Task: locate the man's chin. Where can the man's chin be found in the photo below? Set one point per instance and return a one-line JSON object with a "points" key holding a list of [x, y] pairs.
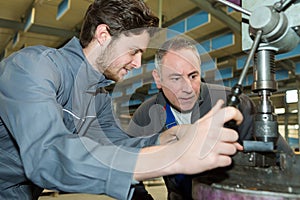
{"points": [[186, 110], [114, 78], [119, 79], [183, 109]]}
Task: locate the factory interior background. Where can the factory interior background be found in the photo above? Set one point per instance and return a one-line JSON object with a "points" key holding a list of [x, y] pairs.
{"points": [[217, 28]]}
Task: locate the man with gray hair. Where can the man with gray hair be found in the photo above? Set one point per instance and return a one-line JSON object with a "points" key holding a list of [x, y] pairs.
{"points": [[183, 99]]}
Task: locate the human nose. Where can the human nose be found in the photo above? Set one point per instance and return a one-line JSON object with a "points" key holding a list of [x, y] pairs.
{"points": [[137, 60], [187, 86]]}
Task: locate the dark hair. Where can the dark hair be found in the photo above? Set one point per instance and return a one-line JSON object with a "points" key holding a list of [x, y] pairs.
{"points": [[119, 16]]}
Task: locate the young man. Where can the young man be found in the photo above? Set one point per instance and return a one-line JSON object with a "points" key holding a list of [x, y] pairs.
{"points": [[183, 99], [57, 129]]}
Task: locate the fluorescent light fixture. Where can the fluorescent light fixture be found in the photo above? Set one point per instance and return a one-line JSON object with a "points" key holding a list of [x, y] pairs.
{"points": [[294, 111], [291, 96], [62, 8], [279, 110], [29, 20]]}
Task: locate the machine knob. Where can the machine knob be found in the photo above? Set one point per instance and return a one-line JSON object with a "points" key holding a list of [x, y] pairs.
{"points": [[272, 23]]}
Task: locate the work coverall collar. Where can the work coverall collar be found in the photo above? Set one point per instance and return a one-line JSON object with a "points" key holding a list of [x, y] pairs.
{"points": [[90, 79]]}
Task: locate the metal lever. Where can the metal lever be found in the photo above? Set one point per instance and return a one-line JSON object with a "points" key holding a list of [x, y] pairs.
{"points": [[237, 89], [235, 7], [282, 5]]}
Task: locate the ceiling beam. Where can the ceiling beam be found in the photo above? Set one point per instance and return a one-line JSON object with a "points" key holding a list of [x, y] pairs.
{"points": [[180, 17], [234, 25], [19, 26]]}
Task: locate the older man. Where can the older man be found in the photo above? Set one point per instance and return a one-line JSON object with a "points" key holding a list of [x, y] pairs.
{"points": [[183, 99]]}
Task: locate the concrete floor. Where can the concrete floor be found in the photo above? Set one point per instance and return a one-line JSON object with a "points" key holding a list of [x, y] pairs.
{"points": [[158, 192]]}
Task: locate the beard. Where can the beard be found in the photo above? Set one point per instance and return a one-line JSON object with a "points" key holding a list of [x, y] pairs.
{"points": [[104, 63], [112, 74]]}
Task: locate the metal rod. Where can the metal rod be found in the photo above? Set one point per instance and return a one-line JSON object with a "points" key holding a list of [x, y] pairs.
{"points": [[160, 16], [235, 7], [282, 5], [251, 54], [298, 104]]}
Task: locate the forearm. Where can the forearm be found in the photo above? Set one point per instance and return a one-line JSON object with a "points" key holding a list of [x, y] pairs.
{"points": [[155, 161]]}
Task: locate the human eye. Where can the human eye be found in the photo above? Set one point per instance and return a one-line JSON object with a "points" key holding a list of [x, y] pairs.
{"points": [[194, 76], [175, 78], [134, 51]]}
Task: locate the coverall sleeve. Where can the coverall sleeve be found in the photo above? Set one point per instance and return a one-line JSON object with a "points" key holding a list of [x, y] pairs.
{"points": [[148, 120], [51, 155], [112, 132]]}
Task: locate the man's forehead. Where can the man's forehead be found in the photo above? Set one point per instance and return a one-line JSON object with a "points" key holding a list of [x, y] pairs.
{"points": [[175, 59], [138, 41], [177, 69], [183, 54]]}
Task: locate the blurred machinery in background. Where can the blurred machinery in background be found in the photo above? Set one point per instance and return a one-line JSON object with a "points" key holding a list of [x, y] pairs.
{"points": [[262, 171]]}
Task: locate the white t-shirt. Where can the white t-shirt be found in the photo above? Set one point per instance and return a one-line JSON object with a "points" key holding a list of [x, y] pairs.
{"points": [[181, 118]]}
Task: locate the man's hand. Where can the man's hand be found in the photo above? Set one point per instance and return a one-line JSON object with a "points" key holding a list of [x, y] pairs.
{"points": [[207, 144], [171, 135], [204, 145], [176, 132]]}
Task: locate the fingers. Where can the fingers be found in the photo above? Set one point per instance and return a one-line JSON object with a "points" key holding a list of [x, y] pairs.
{"points": [[224, 161], [226, 144], [232, 113], [220, 144], [216, 107], [228, 149], [223, 115], [231, 136], [213, 111], [228, 135], [238, 146], [223, 152]]}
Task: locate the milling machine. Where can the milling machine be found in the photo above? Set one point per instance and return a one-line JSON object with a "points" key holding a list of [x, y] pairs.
{"points": [[261, 171]]}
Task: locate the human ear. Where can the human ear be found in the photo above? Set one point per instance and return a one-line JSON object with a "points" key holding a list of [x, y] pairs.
{"points": [[101, 34], [157, 78]]}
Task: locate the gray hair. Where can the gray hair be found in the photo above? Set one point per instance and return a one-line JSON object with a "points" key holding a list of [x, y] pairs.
{"points": [[175, 44]]}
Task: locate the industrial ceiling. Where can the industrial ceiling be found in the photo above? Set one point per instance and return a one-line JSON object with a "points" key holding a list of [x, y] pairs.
{"points": [[49, 30]]}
